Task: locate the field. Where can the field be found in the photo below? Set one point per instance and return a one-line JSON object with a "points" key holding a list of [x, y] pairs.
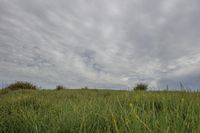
{"points": [[98, 111]]}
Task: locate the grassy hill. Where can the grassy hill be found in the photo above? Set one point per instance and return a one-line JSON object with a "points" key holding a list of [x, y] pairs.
{"points": [[98, 111]]}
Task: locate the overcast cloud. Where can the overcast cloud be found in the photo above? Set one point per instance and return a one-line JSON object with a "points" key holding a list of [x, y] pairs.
{"points": [[100, 43]]}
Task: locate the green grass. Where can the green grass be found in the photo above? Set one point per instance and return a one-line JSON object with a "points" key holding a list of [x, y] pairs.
{"points": [[95, 111]]}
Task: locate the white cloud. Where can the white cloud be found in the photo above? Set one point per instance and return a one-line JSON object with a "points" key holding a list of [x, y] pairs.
{"points": [[112, 44]]}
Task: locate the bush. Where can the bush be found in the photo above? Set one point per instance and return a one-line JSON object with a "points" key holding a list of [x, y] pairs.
{"points": [[21, 85], [141, 87], [60, 87], [85, 88]]}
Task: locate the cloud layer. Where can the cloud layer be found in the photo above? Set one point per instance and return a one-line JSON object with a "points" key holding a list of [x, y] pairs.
{"points": [[100, 43]]}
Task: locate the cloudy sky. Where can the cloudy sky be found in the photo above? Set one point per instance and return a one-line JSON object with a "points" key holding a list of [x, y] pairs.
{"points": [[100, 43]]}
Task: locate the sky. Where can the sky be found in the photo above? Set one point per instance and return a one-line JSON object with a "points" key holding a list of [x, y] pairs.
{"points": [[112, 44]]}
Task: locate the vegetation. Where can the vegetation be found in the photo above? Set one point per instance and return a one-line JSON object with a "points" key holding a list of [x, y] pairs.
{"points": [[98, 111], [141, 87], [60, 87], [20, 85], [85, 88]]}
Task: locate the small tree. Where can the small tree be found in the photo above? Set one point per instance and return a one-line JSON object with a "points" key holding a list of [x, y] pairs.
{"points": [[21, 85], [141, 87]]}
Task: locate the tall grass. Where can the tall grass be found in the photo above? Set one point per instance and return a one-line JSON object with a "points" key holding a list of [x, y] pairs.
{"points": [[95, 111]]}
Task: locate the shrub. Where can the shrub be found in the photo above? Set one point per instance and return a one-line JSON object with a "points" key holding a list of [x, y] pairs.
{"points": [[21, 85], [85, 88], [60, 87], [140, 87]]}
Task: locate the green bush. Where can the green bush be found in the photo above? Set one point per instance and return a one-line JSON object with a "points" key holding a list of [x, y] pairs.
{"points": [[141, 87], [85, 88], [21, 85], [60, 87]]}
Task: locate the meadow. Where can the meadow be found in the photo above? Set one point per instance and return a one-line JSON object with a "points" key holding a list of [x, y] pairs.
{"points": [[98, 111]]}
